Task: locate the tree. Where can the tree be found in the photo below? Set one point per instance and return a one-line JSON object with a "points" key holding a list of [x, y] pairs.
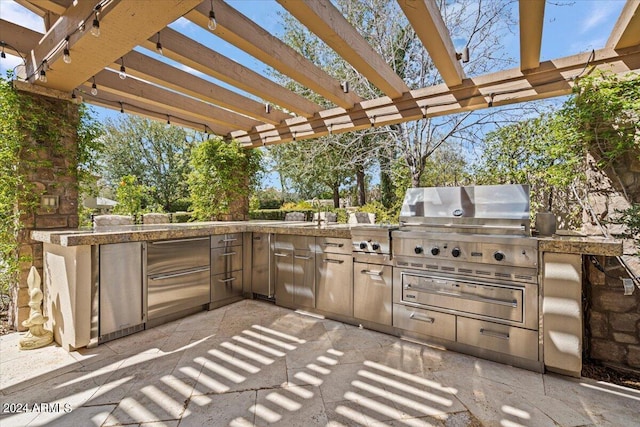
{"points": [[222, 177], [156, 154]]}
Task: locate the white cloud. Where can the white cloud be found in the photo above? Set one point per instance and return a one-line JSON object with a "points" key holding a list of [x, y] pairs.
{"points": [[598, 13], [13, 12]]}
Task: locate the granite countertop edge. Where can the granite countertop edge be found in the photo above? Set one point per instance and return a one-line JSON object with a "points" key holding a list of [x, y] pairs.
{"points": [[570, 243]]}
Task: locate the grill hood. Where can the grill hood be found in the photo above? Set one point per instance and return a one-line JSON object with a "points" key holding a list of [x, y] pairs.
{"points": [[486, 209]]}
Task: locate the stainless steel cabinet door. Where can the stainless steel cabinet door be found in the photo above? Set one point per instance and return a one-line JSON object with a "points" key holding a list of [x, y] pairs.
{"points": [[372, 292], [284, 276], [334, 280], [304, 267], [225, 260]]}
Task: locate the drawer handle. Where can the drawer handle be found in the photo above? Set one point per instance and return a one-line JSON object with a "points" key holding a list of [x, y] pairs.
{"points": [[226, 280], [167, 242], [372, 273], [280, 255], [494, 334], [333, 261], [301, 257], [257, 238], [182, 273], [333, 245], [422, 318], [227, 240], [228, 254]]}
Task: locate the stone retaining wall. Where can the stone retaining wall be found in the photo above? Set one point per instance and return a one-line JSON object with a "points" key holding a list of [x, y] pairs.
{"points": [[612, 319]]}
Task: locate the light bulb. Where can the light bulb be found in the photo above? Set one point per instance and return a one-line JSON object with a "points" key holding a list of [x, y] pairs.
{"points": [[212, 21], [95, 29], [159, 48], [67, 56], [43, 76], [123, 73], [94, 89]]}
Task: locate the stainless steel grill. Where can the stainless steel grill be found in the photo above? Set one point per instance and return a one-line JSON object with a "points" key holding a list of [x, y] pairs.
{"points": [[466, 268]]}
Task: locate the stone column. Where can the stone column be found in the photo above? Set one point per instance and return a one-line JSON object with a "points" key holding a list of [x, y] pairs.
{"points": [[54, 174]]}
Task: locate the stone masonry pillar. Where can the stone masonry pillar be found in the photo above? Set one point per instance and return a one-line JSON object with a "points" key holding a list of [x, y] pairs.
{"points": [[51, 166]]}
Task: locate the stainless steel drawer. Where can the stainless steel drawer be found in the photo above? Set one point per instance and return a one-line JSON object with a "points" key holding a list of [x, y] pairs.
{"points": [[372, 292], [224, 240], [224, 260], [334, 283], [180, 254], [334, 245], [226, 285], [425, 322], [501, 338], [172, 292]]}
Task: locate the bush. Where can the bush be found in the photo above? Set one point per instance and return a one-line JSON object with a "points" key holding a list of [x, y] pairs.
{"points": [[278, 214]]}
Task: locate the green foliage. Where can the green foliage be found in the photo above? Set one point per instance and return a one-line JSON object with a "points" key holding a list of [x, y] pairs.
{"points": [[130, 196], [605, 114], [223, 175], [158, 155], [631, 219], [278, 214], [382, 213], [269, 198]]}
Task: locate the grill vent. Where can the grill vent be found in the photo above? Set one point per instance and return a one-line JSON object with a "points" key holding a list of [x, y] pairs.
{"points": [[121, 333], [402, 263], [483, 273], [431, 266], [507, 275], [523, 277], [448, 269], [465, 270], [413, 264]]}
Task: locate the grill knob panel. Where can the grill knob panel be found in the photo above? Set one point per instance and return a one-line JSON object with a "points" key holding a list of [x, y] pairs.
{"points": [[418, 250], [455, 252], [363, 245], [435, 250], [375, 246], [498, 256]]}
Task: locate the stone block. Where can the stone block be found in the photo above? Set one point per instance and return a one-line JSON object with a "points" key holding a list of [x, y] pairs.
{"points": [[626, 322], [623, 338], [596, 277], [633, 357], [608, 351], [611, 300], [73, 221], [51, 222], [598, 324], [23, 297], [23, 314]]}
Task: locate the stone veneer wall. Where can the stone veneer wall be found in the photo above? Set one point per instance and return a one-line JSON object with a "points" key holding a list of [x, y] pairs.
{"points": [[612, 319], [57, 176]]}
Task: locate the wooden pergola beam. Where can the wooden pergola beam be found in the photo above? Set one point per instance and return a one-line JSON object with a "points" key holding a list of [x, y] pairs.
{"points": [[323, 19], [626, 31], [20, 38], [427, 22], [136, 89], [243, 33], [199, 57], [149, 110], [531, 21], [552, 78], [162, 74], [124, 24]]}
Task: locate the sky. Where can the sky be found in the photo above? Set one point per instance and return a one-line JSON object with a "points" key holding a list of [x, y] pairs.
{"points": [[570, 27]]}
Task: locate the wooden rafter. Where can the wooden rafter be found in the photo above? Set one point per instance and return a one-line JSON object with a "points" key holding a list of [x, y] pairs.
{"points": [[531, 20], [125, 24], [243, 33], [322, 18], [18, 37], [199, 57], [110, 82], [626, 31], [152, 70], [426, 20]]}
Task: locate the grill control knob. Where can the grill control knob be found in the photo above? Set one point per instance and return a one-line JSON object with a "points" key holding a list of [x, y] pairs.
{"points": [[418, 249], [363, 245], [375, 246], [455, 252], [435, 250], [498, 256]]}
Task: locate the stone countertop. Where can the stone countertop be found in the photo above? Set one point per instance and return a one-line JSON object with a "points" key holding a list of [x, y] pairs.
{"points": [[138, 233], [573, 243]]}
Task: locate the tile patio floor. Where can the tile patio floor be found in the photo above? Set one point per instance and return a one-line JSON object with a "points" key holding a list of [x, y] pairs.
{"points": [[252, 363]]}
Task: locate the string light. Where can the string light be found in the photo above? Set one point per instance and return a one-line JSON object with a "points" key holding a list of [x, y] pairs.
{"points": [[123, 71], [159, 45], [168, 119], [2, 54], [94, 87], [212, 24], [66, 54], [95, 29], [267, 108], [43, 72], [490, 104], [121, 107], [73, 94]]}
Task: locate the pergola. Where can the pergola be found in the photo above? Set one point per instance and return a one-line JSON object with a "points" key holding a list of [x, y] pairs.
{"points": [[162, 91]]}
